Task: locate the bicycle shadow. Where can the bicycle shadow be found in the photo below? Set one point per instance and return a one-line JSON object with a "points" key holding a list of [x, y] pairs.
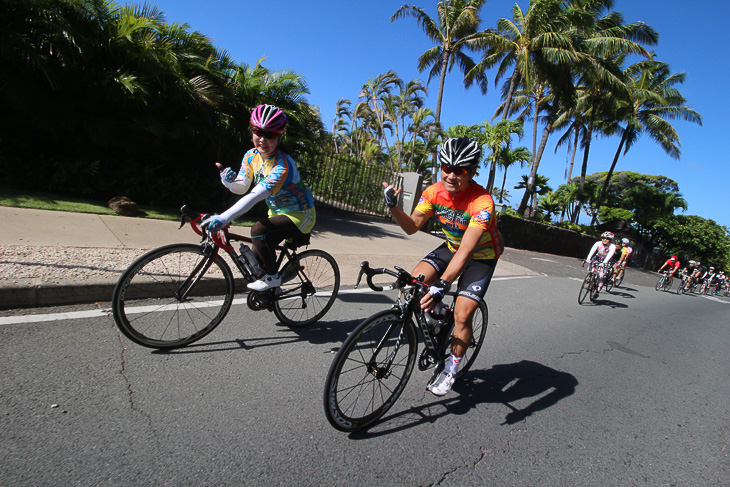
{"points": [[620, 293], [319, 333], [607, 302], [502, 384]]}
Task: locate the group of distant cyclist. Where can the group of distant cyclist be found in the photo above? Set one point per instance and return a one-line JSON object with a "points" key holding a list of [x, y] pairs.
{"points": [[614, 254], [695, 277]]}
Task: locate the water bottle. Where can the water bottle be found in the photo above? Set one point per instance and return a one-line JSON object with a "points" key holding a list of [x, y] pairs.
{"points": [[437, 317], [250, 259]]}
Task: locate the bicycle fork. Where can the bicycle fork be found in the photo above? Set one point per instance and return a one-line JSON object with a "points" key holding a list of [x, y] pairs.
{"points": [[200, 269]]}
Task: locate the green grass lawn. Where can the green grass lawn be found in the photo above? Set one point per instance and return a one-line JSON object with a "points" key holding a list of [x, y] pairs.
{"points": [[55, 202]]}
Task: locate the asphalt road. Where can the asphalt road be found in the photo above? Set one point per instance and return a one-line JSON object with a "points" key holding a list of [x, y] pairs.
{"points": [[631, 390]]}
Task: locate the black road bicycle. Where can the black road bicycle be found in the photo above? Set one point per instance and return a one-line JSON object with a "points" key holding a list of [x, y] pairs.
{"points": [[373, 365], [589, 287], [175, 295]]}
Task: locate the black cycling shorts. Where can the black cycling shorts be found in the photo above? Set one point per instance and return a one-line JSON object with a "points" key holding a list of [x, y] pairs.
{"points": [[475, 279]]}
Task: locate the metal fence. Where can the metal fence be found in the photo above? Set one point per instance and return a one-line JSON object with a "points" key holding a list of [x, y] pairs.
{"points": [[345, 183]]}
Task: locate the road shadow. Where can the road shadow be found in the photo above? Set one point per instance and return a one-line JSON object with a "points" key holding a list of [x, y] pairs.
{"points": [[319, 333], [620, 294], [349, 225], [502, 384]]}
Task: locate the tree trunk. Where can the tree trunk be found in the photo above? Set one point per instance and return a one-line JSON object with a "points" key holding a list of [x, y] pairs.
{"points": [[602, 194], [535, 163], [439, 99]]}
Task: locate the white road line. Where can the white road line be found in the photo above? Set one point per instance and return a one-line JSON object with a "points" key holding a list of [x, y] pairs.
{"points": [[96, 313]]}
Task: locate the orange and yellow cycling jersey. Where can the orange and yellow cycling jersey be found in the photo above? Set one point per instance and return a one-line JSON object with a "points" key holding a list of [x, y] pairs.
{"points": [[472, 207]]}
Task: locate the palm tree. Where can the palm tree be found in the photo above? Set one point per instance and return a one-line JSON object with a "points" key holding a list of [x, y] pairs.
{"points": [[652, 99], [402, 107], [540, 186], [498, 137], [507, 158], [529, 44], [375, 92], [455, 31], [339, 125], [604, 44], [425, 130]]}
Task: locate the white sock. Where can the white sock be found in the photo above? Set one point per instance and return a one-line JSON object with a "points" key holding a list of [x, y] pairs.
{"points": [[453, 364]]}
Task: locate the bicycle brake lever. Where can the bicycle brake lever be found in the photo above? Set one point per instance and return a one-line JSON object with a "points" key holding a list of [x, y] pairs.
{"points": [[363, 265]]}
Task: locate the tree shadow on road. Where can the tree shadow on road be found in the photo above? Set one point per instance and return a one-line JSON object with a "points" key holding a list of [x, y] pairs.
{"points": [[502, 384]]}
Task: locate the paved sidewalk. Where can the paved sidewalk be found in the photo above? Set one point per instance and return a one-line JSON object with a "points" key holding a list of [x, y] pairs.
{"points": [[91, 251]]}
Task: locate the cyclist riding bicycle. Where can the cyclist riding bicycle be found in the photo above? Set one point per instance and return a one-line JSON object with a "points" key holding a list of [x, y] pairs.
{"points": [[275, 179], [473, 244], [673, 264], [696, 273], [602, 252], [620, 266], [687, 274]]}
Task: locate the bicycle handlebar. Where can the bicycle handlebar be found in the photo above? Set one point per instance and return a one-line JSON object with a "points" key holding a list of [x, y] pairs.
{"points": [[220, 238], [403, 278]]}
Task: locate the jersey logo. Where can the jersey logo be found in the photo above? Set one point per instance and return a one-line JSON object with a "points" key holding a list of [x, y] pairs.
{"points": [[482, 217]]}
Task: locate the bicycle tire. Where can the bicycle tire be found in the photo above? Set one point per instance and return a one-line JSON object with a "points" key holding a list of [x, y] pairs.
{"points": [[617, 282], [667, 284], [585, 289], [146, 309], [659, 283], [680, 288], [609, 284], [354, 394], [479, 324], [309, 300]]}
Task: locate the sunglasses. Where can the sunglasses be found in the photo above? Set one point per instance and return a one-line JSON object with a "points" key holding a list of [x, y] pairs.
{"points": [[266, 134], [457, 171]]}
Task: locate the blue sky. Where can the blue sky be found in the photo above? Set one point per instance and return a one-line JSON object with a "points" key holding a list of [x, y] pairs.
{"points": [[338, 45]]}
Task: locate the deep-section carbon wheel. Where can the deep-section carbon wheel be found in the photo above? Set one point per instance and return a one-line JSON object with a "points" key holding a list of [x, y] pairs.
{"points": [[309, 287], [370, 371], [172, 296]]}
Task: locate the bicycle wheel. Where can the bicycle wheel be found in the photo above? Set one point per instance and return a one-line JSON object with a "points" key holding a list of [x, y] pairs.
{"points": [[659, 283], [585, 289], [609, 284], [309, 288], [479, 330], [172, 296], [680, 288], [667, 284], [370, 371], [617, 282]]}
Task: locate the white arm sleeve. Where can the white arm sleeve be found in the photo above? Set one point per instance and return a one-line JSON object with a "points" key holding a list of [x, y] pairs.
{"points": [[241, 182], [593, 251], [259, 193]]}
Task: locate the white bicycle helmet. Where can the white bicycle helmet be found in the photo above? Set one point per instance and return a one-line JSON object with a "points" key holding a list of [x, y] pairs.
{"points": [[461, 152], [607, 235]]}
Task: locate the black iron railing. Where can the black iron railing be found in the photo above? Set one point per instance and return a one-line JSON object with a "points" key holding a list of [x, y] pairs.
{"points": [[345, 183]]}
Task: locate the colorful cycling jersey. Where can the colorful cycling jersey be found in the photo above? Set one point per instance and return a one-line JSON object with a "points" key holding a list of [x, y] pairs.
{"points": [[671, 265], [279, 176], [473, 207], [627, 252], [599, 251]]}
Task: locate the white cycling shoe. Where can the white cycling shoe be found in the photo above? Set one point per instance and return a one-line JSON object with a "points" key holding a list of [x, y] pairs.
{"points": [[266, 282], [443, 384]]}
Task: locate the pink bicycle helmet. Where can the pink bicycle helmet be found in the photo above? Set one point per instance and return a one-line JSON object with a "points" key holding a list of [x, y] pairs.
{"points": [[607, 235], [268, 117]]}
